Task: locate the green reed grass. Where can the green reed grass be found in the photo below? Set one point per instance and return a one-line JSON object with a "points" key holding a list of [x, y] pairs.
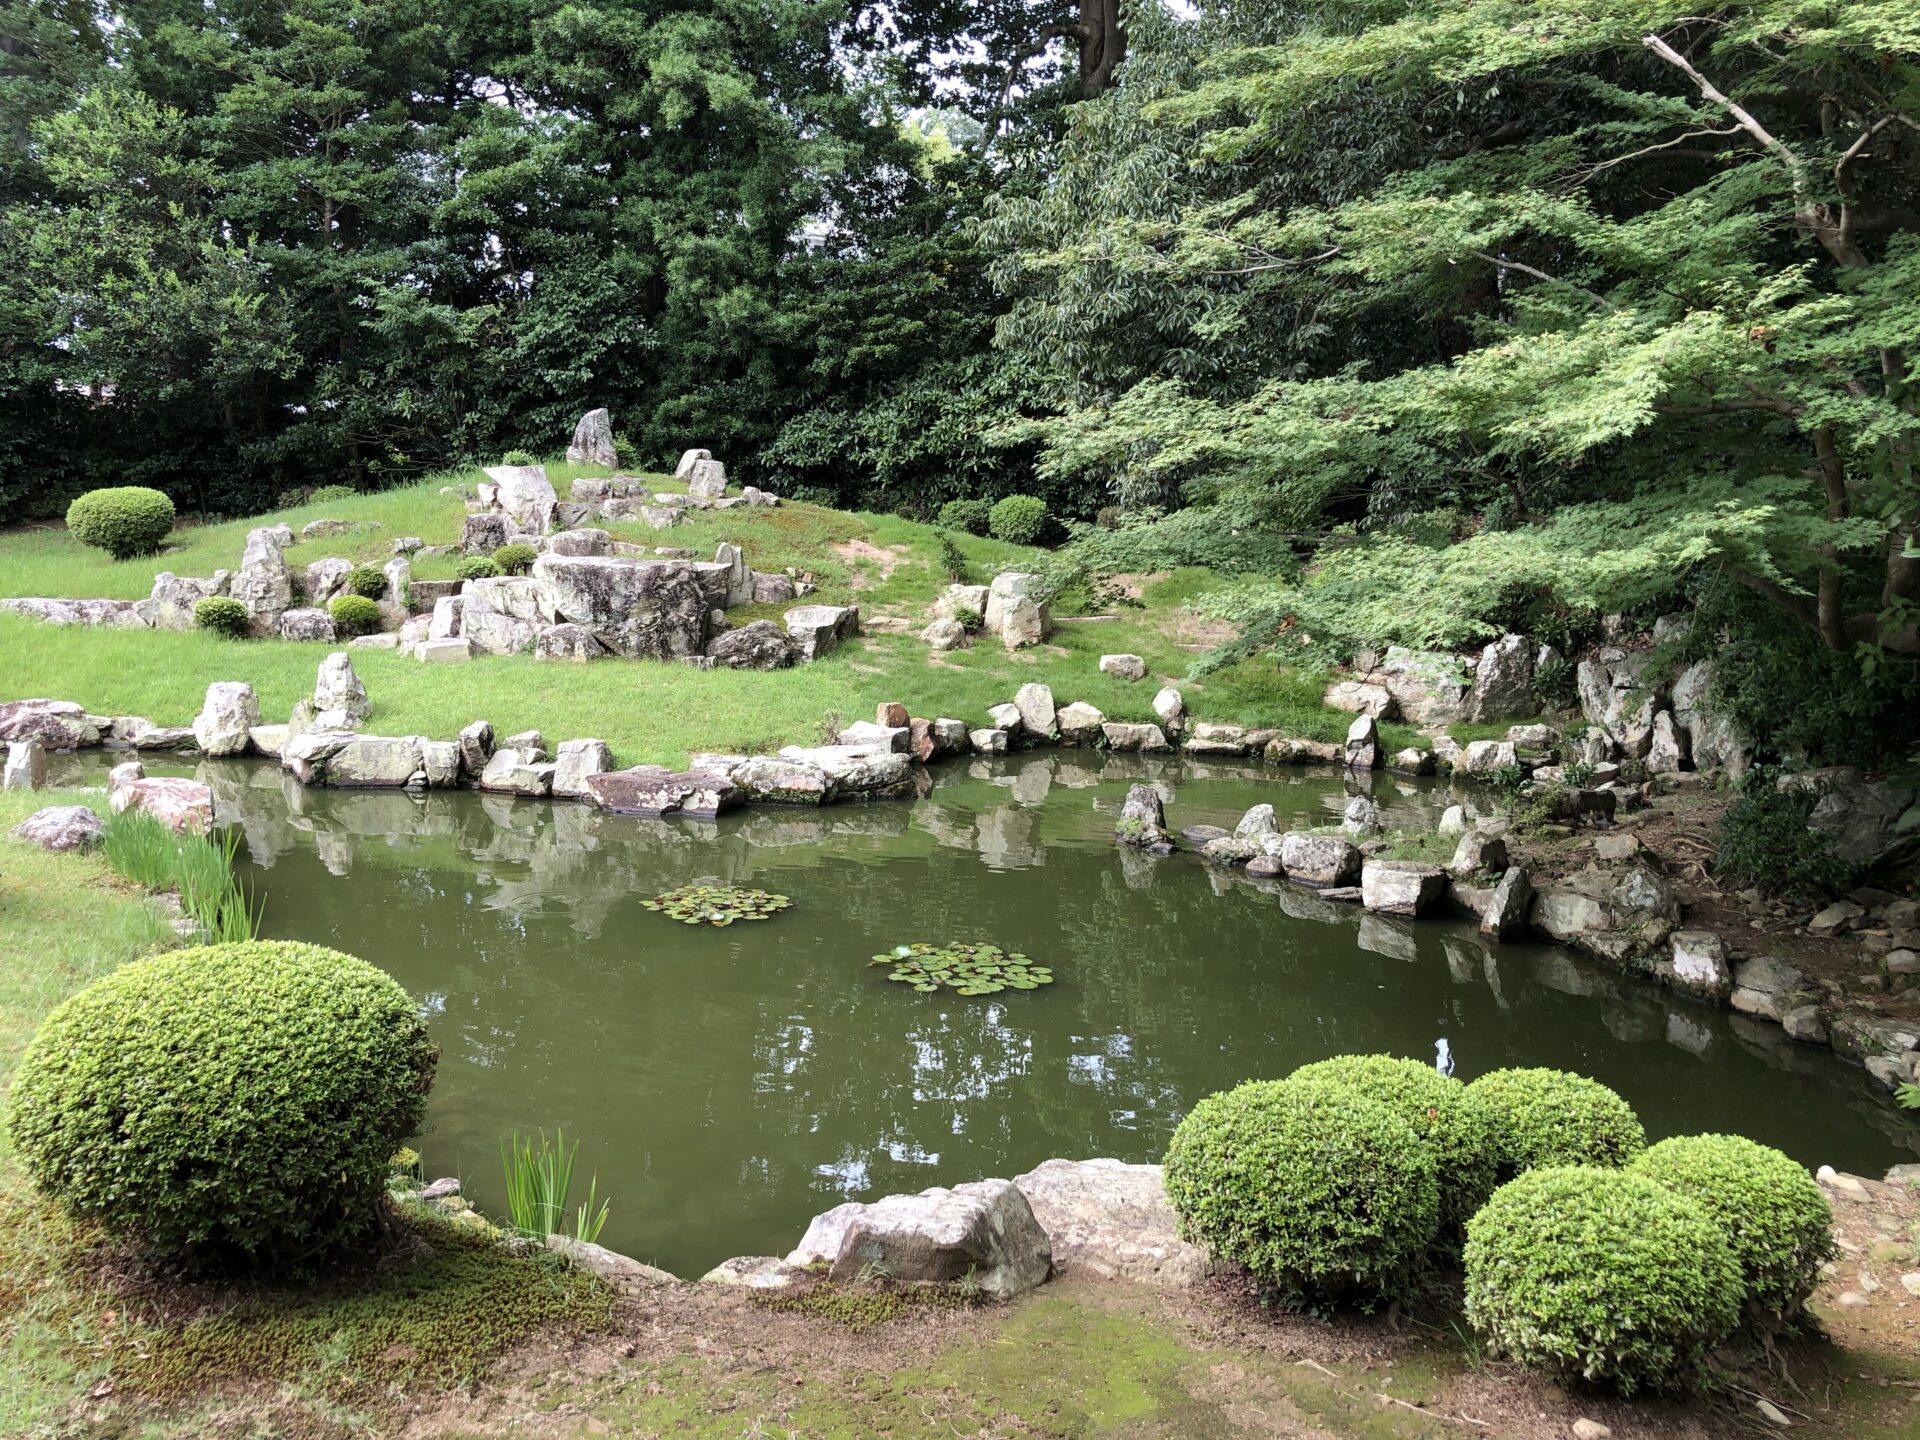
{"points": [[539, 1174], [147, 852]]}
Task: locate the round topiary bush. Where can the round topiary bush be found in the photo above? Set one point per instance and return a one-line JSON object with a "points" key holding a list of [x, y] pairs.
{"points": [[233, 1103], [1446, 1118], [1554, 1117], [1774, 1217], [1600, 1275], [367, 580], [327, 493], [968, 515], [514, 558], [476, 567], [353, 615], [1018, 519], [221, 615], [1317, 1189], [517, 457], [123, 520]]}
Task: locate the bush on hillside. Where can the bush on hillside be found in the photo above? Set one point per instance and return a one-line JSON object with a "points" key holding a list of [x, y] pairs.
{"points": [[123, 520], [518, 457], [1018, 519], [968, 515], [1763, 841], [514, 558], [223, 616], [476, 567], [1318, 1190], [1449, 1121], [1605, 1276], [367, 580], [230, 1103], [353, 615], [327, 493], [1554, 1117], [1773, 1215]]}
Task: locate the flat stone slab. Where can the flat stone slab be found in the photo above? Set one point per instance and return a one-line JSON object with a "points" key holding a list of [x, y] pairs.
{"points": [[1108, 1220], [984, 1231], [656, 790]]}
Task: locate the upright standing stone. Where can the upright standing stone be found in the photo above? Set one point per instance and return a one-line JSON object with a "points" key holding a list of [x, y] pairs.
{"points": [[264, 584], [593, 440], [1363, 743], [707, 479], [523, 494], [228, 715], [739, 574], [26, 766], [689, 459], [339, 697]]}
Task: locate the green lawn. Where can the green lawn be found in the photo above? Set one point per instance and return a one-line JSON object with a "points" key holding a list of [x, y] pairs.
{"points": [[647, 712]]}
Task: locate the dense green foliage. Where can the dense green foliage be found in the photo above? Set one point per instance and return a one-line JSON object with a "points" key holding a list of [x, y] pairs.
{"points": [[1605, 1276], [1319, 1190], [1018, 519], [514, 559], [237, 1103], [970, 515], [124, 520], [1447, 1118], [1763, 841], [223, 615], [476, 567], [1554, 1117], [1773, 1215], [367, 580], [327, 493], [353, 615]]}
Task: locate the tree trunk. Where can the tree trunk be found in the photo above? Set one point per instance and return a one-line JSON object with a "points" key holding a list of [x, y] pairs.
{"points": [[1103, 45]]}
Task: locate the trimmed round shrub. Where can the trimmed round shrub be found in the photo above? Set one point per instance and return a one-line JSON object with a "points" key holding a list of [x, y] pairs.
{"points": [[1318, 1190], [1446, 1118], [328, 493], [123, 520], [514, 558], [968, 515], [353, 615], [1600, 1275], [517, 457], [476, 567], [222, 615], [1554, 1117], [367, 580], [1018, 519], [1774, 1217], [232, 1103]]}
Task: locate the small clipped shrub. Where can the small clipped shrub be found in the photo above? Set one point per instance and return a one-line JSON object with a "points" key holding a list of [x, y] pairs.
{"points": [[231, 1103], [1448, 1120], [968, 515], [367, 580], [518, 457], [1605, 1276], [1764, 842], [514, 558], [1018, 519], [353, 615], [476, 567], [1773, 1215], [1109, 517], [328, 493], [1554, 1117], [971, 620], [123, 520], [222, 615], [1321, 1192]]}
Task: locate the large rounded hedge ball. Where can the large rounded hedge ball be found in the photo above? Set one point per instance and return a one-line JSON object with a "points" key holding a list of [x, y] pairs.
{"points": [[1600, 1275], [1320, 1191], [1773, 1214], [1554, 1117], [123, 520], [231, 1103]]}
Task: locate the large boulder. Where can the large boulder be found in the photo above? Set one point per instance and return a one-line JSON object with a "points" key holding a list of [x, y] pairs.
{"points": [[475, 748], [984, 1232], [688, 459], [958, 600], [183, 806], [339, 698], [522, 493], [1015, 612], [1509, 907], [1126, 735], [857, 771], [1402, 887], [1081, 724], [501, 615], [307, 625], [578, 761], [1143, 821], [264, 584], [170, 604], [1038, 715], [26, 766], [707, 479], [593, 440], [738, 575], [1108, 1220], [325, 580], [229, 712], [62, 827], [1360, 697], [1428, 686], [1713, 739], [1503, 681], [776, 780], [817, 629], [1325, 861], [656, 611], [1613, 696], [111, 614], [1863, 817], [760, 645], [376, 762], [656, 790], [1125, 667], [57, 724], [573, 643], [486, 532], [511, 770]]}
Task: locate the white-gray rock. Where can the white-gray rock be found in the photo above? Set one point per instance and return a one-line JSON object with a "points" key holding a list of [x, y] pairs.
{"points": [[523, 494], [339, 694], [516, 772], [1122, 735], [593, 440], [229, 712], [61, 827], [1038, 715], [264, 584], [1401, 887], [1126, 667], [1015, 612], [307, 625], [26, 767], [1107, 1220], [1081, 724], [1326, 861], [984, 1232], [1503, 681], [817, 629], [575, 762]]}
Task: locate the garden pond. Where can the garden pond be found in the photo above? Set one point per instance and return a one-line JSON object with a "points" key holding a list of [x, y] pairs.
{"points": [[726, 1084]]}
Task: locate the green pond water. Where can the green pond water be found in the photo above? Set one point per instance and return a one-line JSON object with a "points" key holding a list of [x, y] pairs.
{"points": [[727, 1084]]}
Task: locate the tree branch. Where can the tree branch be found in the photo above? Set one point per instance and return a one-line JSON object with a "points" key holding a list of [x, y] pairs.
{"points": [[1600, 300], [1708, 90]]}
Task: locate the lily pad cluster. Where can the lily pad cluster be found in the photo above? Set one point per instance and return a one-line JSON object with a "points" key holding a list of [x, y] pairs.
{"points": [[716, 904], [967, 968]]}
